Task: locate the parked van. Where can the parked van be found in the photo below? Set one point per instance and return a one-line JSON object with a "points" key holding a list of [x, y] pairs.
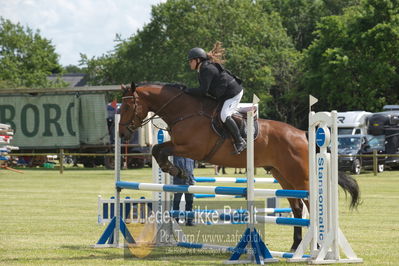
{"points": [[353, 122], [386, 125]]}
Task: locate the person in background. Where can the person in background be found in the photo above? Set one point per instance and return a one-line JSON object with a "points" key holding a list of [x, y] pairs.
{"points": [[187, 165], [218, 168], [239, 171]]}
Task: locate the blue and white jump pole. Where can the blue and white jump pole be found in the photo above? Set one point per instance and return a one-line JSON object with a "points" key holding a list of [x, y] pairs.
{"points": [[233, 180], [239, 217], [232, 249], [238, 191]]}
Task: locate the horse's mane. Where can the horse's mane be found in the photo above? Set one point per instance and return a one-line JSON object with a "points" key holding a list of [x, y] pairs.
{"points": [[179, 86], [208, 103]]}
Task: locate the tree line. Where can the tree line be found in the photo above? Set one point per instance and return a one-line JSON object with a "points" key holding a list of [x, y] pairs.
{"points": [[344, 52]]}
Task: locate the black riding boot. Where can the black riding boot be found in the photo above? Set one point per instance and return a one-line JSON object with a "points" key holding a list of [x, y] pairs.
{"points": [[239, 142]]}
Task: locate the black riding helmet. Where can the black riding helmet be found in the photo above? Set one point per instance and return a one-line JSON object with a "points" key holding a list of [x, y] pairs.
{"points": [[197, 53]]}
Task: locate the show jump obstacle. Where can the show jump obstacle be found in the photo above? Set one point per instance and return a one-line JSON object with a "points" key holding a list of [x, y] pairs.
{"points": [[6, 135], [324, 237]]}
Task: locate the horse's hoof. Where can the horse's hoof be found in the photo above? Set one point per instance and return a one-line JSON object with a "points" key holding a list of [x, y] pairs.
{"points": [[294, 247]]}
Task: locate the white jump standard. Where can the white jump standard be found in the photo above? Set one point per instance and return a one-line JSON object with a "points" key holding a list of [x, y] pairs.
{"points": [[324, 237]]}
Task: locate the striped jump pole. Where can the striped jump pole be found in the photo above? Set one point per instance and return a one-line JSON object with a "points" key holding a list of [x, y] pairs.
{"points": [[257, 210], [282, 220], [238, 217], [278, 254], [206, 196], [237, 180], [281, 193]]}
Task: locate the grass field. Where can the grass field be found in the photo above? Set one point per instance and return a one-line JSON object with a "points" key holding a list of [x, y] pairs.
{"points": [[50, 219]]}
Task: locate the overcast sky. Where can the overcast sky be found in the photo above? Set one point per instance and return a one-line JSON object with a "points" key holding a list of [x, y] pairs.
{"points": [[80, 26]]}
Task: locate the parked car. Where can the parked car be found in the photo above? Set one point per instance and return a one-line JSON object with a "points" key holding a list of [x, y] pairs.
{"points": [[360, 145]]}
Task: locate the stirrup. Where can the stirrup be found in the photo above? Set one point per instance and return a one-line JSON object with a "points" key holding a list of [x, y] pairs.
{"points": [[243, 146]]}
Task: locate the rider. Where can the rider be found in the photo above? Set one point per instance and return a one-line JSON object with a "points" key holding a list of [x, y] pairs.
{"points": [[219, 83]]}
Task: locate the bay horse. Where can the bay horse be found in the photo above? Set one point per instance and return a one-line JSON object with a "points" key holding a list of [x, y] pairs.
{"points": [[279, 147]]}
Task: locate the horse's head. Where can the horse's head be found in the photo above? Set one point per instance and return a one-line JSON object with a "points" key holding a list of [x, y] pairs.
{"points": [[132, 111]]}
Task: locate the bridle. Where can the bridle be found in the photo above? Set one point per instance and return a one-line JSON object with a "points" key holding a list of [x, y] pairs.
{"points": [[135, 122], [131, 126]]}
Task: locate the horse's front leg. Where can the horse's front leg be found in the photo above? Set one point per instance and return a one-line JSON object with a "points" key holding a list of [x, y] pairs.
{"points": [[161, 152]]}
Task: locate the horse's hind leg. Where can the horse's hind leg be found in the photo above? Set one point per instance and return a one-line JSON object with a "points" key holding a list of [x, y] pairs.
{"points": [[296, 207], [161, 152]]}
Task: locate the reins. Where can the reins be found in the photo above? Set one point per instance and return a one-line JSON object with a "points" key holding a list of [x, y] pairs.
{"points": [[131, 127], [145, 121]]}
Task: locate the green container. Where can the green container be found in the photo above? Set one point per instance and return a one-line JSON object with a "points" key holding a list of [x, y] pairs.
{"points": [[48, 165]]}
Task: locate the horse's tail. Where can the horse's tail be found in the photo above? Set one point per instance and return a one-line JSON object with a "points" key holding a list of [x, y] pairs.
{"points": [[349, 184]]}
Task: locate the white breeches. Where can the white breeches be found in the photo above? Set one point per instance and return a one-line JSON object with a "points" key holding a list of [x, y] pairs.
{"points": [[230, 106]]}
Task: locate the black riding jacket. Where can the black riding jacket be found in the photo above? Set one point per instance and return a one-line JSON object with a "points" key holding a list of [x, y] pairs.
{"points": [[215, 81]]}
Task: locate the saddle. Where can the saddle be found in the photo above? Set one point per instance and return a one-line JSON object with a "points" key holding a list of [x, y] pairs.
{"points": [[240, 117]]}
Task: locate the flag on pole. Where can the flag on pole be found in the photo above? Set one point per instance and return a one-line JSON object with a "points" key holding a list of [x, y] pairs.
{"points": [[312, 101], [255, 99]]}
